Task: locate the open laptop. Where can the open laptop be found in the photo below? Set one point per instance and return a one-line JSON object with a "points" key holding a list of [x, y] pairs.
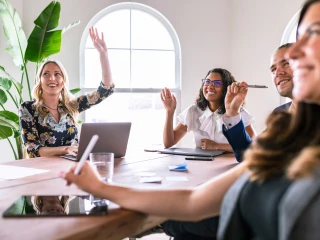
{"points": [[191, 152], [113, 137]]}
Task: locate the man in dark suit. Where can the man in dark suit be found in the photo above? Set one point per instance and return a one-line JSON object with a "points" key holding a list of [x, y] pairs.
{"points": [[233, 127]]}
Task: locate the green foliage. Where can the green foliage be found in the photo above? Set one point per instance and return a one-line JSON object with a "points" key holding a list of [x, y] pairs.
{"points": [[43, 42], [75, 90], [15, 36]]}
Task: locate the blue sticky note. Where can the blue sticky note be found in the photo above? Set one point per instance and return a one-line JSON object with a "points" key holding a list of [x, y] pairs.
{"points": [[181, 167]]}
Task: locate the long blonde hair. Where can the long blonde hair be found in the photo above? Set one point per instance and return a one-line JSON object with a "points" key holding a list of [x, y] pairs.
{"points": [[68, 101]]}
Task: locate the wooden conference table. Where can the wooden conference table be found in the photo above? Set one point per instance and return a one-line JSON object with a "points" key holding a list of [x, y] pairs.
{"points": [[119, 223]]}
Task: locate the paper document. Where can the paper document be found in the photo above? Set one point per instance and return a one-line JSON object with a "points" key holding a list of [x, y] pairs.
{"points": [[13, 172]]}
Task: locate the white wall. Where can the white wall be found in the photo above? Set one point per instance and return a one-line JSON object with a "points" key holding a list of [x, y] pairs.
{"points": [[257, 28], [238, 35]]}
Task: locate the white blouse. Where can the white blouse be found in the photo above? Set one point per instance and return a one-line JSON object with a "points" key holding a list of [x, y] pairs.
{"points": [[207, 124]]}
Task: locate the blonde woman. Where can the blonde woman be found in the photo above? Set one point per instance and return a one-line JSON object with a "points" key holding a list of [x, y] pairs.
{"points": [[48, 123]]}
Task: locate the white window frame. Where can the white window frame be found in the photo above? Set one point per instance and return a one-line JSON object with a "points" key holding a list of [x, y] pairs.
{"points": [[166, 24], [292, 26]]}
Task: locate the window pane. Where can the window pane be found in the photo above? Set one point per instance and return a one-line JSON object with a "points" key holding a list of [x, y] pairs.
{"points": [[116, 29], [153, 69], [292, 37], [119, 63], [144, 110], [149, 33]]}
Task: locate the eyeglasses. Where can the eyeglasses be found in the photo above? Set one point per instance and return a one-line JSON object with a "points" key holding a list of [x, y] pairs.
{"points": [[215, 83]]}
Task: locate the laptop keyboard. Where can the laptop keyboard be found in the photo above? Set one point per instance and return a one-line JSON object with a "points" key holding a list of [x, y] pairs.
{"points": [[69, 157]]}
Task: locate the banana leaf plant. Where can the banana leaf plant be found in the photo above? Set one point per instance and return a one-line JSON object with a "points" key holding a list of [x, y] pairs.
{"points": [[44, 41]]}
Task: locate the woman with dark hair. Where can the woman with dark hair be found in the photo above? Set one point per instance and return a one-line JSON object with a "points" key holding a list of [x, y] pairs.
{"points": [[204, 118]]}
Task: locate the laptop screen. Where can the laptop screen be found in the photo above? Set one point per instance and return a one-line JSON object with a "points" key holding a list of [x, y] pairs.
{"points": [[113, 137]]}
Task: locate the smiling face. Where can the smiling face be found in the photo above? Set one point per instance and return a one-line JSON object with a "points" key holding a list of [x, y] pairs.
{"points": [[282, 73], [211, 93], [51, 205], [52, 81], [305, 57]]}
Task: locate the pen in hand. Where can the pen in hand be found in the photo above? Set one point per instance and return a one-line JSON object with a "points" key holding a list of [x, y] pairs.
{"points": [[86, 153], [84, 156], [257, 86]]}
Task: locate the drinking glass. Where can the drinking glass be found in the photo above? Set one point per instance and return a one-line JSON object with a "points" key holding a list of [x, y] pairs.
{"points": [[104, 163]]}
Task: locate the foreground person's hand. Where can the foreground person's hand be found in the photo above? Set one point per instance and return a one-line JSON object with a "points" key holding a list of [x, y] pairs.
{"points": [[88, 179]]}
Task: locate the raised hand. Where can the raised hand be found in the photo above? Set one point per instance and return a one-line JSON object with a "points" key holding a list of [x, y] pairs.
{"points": [[98, 42], [236, 94], [168, 99]]}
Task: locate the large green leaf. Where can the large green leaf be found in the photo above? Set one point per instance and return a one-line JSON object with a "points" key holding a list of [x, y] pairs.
{"points": [[5, 132], [43, 41], [15, 36], [3, 97], [49, 17], [9, 119], [6, 83]]}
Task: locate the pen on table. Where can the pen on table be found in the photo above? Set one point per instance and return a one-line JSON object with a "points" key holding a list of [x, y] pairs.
{"points": [[257, 86], [86, 153]]}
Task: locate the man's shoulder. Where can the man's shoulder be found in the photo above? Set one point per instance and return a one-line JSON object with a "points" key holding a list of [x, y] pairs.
{"points": [[283, 107]]}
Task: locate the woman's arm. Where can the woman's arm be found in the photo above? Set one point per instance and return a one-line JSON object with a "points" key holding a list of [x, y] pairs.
{"points": [[250, 130], [187, 205], [212, 145], [107, 87], [171, 136], [58, 151], [100, 45], [209, 144]]}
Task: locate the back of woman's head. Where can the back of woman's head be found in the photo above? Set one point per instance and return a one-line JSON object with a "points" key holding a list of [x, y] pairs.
{"points": [[285, 138], [227, 79]]}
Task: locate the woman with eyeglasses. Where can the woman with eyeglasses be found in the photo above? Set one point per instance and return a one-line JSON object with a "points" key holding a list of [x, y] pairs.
{"points": [[204, 117]]}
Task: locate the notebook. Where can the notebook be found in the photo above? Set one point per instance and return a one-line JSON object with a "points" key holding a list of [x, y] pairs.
{"points": [[113, 137], [191, 152]]}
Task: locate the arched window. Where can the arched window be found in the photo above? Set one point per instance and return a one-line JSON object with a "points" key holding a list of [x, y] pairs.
{"points": [[289, 35], [144, 53]]}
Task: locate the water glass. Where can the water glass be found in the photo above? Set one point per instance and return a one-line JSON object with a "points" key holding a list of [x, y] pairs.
{"points": [[104, 163]]}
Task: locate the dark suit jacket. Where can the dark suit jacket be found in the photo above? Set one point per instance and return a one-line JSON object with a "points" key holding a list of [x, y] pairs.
{"points": [[239, 139], [298, 211]]}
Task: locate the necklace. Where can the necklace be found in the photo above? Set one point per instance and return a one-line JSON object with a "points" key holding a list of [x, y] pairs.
{"points": [[50, 107]]}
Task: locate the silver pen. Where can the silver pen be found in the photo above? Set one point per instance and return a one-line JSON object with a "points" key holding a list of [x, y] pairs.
{"points": [[257, 86]]}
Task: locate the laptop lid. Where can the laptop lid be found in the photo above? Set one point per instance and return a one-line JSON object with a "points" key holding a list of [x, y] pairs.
{"points": [[113, 137], [191, 152]]}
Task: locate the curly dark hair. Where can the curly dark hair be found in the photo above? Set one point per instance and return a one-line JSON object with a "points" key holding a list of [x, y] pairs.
{"points": [[227, 79]]}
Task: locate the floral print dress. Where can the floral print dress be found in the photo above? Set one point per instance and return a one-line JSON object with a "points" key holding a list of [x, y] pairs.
{"points": [[37, 132]]}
